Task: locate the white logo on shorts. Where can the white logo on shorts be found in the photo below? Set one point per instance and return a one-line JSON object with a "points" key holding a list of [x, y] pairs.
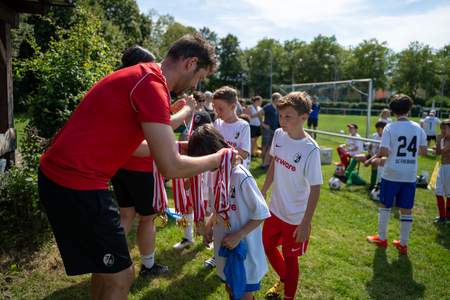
{"points": [[108, 260]]}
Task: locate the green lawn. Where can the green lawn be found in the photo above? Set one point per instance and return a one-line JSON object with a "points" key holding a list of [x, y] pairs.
{"points": [[339, 263]]}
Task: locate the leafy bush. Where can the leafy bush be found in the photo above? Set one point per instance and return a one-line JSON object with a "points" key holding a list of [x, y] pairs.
{"points": [[76, 59], [22, 216], [437, 101]]}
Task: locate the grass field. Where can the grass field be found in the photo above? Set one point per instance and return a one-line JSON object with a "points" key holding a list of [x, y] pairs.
{"points": [[339, 263]]}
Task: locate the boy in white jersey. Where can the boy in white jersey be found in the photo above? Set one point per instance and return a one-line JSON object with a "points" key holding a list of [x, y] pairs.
{"points": [[442, 188], [235, 131], [247, 211], [296, 176], [401, 143], [351, 147], [429, 125]]}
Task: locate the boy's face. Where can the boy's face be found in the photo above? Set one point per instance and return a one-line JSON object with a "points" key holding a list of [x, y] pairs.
{"points": [[380, 131], [223, 109], [290, 119], [445, 130], [352, 130]]}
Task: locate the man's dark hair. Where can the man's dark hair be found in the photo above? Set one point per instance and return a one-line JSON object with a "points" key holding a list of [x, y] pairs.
{"points": [[401, 104], [195, 45], [135, 55], [205, 140], [380, 124]]}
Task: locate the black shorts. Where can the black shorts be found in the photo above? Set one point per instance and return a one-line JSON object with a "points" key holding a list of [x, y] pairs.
{"points": [[255, 131], [134, 188], [368, 156], [87, 228], [431, 137], [313, 122]]}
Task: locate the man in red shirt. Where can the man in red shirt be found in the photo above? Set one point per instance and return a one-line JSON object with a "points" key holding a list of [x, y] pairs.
{"points": [[108, 127]]}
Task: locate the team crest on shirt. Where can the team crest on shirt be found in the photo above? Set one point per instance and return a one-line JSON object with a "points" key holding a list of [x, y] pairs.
{"points": [[197, 118], [236, 135], [297, 157], [108, 260], [232, 191]]}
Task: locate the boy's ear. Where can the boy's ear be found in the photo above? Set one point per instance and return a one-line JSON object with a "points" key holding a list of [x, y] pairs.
{"points": [[305, 117], [233, 106]]}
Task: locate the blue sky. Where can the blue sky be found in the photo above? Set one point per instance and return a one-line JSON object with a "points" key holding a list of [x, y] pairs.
{"points": [[351, 21]]}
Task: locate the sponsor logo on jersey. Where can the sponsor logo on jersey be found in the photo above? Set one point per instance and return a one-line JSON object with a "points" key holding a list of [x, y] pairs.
{"points": [[285, 163], [197, 118], [232, 144], [297, 157], [236, 135], [232, 191], [108, 260], [276, 145]]}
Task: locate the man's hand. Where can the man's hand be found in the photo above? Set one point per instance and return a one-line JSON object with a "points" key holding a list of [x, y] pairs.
{"points": [[178, 105], [265, 126], [190, 101]]}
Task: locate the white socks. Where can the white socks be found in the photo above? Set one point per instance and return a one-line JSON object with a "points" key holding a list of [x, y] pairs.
{"points": [[383, 222], [188, 231], [148, 260], [405, 228], [379, 173]]}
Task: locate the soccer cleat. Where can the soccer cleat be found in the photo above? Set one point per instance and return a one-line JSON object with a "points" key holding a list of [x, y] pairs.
{"points": [[183, 244], [155, 270], [402, 249], [441, 220], [341, 177], [210, 263], [376, 240], [276, 290]]}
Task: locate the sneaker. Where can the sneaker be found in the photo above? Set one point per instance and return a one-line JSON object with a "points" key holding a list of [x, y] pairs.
{"points": [[183, 244], [276, 290], [341, 177], [371, 187], [210, 263], [155, 270], [402, 249], [441, 220], [376, 240]]}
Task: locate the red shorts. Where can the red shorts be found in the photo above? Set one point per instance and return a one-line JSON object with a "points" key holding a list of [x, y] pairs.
{"points": [[279, 233]]}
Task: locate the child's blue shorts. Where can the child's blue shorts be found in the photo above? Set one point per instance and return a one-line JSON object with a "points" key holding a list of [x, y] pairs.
{"points": [[403, 192], [250, 287]]}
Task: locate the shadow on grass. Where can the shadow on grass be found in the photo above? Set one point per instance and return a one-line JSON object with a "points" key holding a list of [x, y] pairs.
{"points": [[75, 291], [393, 280], [442, 237]]}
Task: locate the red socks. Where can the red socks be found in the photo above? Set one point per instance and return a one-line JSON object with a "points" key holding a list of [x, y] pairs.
{"points": [[343, 156], [276, 259], [441, 206], [291, 277]]}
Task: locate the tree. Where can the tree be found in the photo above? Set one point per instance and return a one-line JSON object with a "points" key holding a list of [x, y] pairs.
{"points": [[412, 70], [174, 31], [230, 71]]}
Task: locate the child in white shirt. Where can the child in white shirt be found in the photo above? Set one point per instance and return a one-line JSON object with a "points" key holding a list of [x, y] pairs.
{"points": [[247, 211], [429, 125], [296, 176]]}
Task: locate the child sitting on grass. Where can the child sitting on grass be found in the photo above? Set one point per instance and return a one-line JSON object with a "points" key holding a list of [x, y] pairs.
{"points": [[248, 210], [442, 188]]}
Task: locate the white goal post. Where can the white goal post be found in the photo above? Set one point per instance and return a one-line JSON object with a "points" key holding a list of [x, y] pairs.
{"points": [[336, 85]]}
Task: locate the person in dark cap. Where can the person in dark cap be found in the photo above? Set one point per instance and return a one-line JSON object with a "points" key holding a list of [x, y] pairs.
{"points": [[351, 147]]}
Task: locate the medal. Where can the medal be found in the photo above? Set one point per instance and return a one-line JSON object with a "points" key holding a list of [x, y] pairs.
{"points": [[227, 225], [160, 220], [201, 230], [216, 220]]}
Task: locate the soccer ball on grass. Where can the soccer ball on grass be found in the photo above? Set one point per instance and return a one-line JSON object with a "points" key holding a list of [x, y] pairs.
{"points": [[334, 183]]}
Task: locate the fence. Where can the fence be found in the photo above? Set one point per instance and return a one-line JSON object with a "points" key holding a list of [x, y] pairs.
{"points": [[360, 111]]}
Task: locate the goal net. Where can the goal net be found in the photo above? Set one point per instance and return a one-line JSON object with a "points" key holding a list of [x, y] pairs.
{"points": [[355, 91]]}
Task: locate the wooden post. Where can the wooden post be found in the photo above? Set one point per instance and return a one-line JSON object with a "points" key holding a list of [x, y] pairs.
{"points": [[6, 90]]}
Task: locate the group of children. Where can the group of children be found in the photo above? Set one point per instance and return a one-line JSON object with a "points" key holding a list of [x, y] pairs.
{"points": [[296, 177]]}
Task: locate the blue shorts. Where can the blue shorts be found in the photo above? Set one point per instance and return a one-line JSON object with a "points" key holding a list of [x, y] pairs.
{"points": [[403, 192], [250, 288]]}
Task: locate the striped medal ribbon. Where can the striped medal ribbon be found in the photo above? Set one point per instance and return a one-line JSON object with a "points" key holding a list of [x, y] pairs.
{"points": [[222, 188]]}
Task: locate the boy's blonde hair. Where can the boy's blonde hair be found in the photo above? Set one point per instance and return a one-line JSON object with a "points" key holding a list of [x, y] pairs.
{"points": [[300, 101], [227, 94], [385, 110]]}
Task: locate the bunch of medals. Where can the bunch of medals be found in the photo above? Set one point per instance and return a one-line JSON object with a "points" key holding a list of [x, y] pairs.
{"points": [[159, 198], [198, 204], [222, 188], [180, 197]]}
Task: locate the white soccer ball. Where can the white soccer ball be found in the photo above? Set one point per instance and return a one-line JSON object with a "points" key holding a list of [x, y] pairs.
{"points": [[375, 194], [342, 131], [339, 169], [334, 183]]}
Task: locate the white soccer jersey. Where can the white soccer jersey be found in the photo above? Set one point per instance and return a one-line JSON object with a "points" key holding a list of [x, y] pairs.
{"points": [[403, 139], [430, 125], [246, 203], [355, 143], [375, 146], [236, 134], [387, 121], [297, 167]]}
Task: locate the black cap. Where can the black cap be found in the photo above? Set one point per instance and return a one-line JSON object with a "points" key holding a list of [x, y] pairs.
{"points": [[353, 125], [201, 118]]}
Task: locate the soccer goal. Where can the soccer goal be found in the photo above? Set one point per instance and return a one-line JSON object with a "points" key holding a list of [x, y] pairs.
{"points": [[354, 91]]}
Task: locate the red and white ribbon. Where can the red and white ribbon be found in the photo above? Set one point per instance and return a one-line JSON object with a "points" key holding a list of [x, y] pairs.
{"points": [[222, 186], [179, 193], [197, 198], [159, 191]]}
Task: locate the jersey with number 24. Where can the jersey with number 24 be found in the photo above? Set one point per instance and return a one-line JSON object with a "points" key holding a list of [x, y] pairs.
{"points": [[403, 139]]}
